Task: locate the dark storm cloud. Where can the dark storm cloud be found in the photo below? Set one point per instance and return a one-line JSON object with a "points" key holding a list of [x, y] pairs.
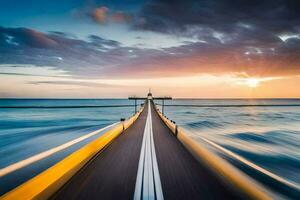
{"points": [[233, 35], [78, 57], [222, 15], [242, 23]]}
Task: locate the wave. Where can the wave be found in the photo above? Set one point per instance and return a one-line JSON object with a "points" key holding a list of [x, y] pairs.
{"points": [[250, 136], [38, 123], [189, 112], [204, 124], [245, 158], [12, 137], [284, 137], [275, 161]]}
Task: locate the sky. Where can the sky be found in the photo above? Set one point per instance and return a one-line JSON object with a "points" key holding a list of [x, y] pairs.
{"points": [[187, 49]]}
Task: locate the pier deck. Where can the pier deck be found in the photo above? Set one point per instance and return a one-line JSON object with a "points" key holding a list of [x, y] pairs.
{"points": [[112, 174]]}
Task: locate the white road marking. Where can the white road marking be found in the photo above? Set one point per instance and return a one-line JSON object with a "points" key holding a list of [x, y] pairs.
{"points": [[148, 184], [158, 190], [18, 165]]}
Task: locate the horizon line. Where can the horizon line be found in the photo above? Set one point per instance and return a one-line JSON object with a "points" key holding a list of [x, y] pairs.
{"points": [[174, 98]]}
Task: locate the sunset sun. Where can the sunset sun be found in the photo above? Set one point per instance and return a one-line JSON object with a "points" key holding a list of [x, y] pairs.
{"points": [[253, 82]]}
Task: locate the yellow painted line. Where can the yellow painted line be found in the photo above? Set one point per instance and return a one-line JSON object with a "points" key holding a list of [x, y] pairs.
{"points": [[18, 165], [45, 184], [240, 180]]}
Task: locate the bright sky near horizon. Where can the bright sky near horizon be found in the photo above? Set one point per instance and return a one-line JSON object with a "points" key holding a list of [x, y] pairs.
{"points": [[191, 48]]}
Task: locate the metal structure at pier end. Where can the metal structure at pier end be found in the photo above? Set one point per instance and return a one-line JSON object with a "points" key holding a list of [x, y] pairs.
{"points": [[149, 97]]}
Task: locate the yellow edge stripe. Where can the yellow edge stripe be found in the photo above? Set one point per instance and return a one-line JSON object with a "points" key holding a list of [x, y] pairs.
{"points": [[220, 166], [48, 182]]}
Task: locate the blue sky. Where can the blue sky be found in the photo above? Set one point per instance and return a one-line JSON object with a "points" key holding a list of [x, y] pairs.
{"points": [[72, 17], [120, 43], [64, 16]]}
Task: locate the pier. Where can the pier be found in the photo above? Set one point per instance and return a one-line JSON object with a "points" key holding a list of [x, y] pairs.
{"points": [[144, 157]]}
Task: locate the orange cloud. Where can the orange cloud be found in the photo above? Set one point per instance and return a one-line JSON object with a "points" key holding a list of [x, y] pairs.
{"points": [[99, 15], [102, 15]]}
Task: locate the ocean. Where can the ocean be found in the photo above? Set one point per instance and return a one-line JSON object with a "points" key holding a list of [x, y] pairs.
{"points": [[260, 137], [31, 126]]}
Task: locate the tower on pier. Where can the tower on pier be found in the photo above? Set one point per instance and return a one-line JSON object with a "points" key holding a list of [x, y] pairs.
{"points": [[149, 96]]}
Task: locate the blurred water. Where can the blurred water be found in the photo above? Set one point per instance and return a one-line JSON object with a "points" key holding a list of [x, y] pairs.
{"points": [[265, 132], [268, 136], [27, 132]]}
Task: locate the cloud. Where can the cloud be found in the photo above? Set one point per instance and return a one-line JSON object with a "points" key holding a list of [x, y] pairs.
{"points": [[243, 52], [96, 40], [221, 15], [251, 27], [27, 37], [103, 15], [78, 57], [233, 35], [75, 83], [26, 74], [99, 15]]}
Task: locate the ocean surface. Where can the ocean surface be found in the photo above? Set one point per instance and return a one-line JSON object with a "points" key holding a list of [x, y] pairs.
{"points": [[259, 137], [31, 126]]}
